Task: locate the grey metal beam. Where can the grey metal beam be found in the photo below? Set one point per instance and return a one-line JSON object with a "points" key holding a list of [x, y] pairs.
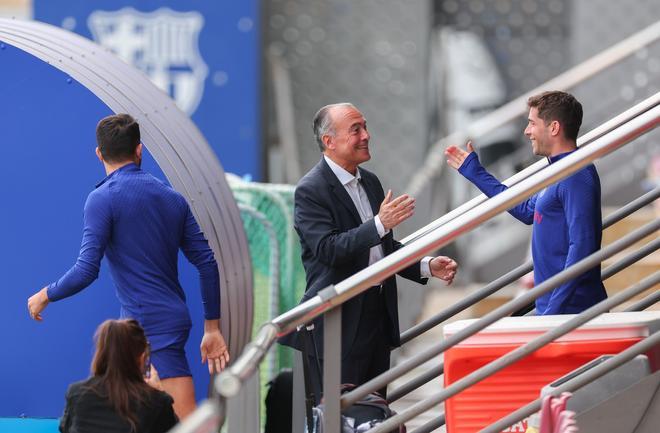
{"points": [[415, 383], [631, 258], [644, 303], [332, 370], [431, 425]]}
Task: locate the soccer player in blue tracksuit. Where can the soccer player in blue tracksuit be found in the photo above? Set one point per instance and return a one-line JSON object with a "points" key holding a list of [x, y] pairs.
{"points": [[139, 224], [566, 216]]}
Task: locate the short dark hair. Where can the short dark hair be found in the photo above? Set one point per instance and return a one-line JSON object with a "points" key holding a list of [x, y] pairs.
{"points": [[117, 137], [559, 106]]}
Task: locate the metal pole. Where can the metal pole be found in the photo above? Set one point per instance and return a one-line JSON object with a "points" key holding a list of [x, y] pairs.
{"points": [[205, 419], [630, 259], [504, 310], [587, 377], [517, 354], [332, 370], [466, 302], [415, 383], [644, 303], [431, 425]]}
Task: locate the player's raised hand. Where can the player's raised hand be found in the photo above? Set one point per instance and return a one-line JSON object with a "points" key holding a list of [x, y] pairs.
{"points": [[456, 156]]}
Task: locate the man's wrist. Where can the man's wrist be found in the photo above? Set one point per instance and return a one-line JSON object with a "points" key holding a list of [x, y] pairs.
{"points": [[211, 325], [382, 231], [44, 295], [425, 267]]}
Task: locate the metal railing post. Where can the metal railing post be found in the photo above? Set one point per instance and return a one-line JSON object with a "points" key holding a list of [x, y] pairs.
{"points": [[332, 370], [298, 395]]}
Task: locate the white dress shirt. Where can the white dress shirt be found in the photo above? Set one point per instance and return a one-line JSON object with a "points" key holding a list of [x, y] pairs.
{"points": [[355, 190]]}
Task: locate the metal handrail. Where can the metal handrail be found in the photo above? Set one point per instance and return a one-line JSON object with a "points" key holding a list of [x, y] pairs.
{"points": [[500, 312], [415, 383], [516, 273], [606, 273], [205, 419], [644, 303], [630, 259], [228, 383], [583, 140], [431, 425], [517, 354], [583, 379], [515, 108]]}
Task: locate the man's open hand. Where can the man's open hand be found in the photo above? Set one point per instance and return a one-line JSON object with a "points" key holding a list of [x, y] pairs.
{"points": [[456, 156], [213, 347], [443, 268], [394, 212]]}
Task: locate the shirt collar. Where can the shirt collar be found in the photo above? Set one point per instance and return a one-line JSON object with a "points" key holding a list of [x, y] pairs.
{"points": [[125, 168], [344, 176], [553, 159]]}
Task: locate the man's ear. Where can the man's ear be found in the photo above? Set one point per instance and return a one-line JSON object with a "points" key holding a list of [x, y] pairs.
{"points": [[138, 151], [328, 142], [98, 154], [555, 128]]}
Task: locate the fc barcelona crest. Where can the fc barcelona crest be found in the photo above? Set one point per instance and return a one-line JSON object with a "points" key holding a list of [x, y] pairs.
{"points": [[164, 44]]}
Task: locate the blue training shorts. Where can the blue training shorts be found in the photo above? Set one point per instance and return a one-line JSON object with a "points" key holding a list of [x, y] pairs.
{"points": [[168, 354]]}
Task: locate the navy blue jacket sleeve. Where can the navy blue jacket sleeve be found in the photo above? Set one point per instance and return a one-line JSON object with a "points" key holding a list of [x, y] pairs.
{"points": [[473, 171], [196, 249], [97, 228], [315, 225], [581, 205]]}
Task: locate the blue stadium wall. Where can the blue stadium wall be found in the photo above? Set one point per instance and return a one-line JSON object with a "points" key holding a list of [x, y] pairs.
{"points": [[47, 122]]}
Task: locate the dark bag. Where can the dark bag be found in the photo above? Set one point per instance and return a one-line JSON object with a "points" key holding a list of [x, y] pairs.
{"points": [[363, 415], [278, 402]]}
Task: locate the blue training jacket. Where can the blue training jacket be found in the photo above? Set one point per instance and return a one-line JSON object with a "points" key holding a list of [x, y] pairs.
{"points": [[140, 224], [567, 227]]}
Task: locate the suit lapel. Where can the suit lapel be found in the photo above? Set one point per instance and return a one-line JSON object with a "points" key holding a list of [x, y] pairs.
{"points": [[339, 191]]}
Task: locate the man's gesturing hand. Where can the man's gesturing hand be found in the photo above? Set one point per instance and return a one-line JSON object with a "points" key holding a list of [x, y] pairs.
{"points": [[394, 212], [213, 347], [443, 268], [456, 156]]}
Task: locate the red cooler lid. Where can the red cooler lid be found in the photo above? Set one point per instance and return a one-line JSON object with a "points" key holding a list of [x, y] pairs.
{"points": [[608, 326]]}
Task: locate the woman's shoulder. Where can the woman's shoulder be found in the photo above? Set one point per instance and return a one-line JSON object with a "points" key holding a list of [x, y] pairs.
{"points": [[81, 386]]}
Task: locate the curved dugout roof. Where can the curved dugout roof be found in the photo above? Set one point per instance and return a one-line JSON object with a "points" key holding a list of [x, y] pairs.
{"points": [[176, 144]]}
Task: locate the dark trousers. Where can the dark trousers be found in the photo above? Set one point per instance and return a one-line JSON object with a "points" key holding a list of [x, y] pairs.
{"points": [[369, 355]]}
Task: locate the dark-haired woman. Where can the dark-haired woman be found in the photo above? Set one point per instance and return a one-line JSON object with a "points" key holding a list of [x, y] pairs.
{"points": [[117, 399]]}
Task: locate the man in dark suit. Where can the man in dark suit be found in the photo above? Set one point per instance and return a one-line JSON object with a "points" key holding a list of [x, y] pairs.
{"points": [[345, 221]]}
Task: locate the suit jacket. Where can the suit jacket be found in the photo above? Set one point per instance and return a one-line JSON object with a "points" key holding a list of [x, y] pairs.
{"points": [[335, 244]]}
